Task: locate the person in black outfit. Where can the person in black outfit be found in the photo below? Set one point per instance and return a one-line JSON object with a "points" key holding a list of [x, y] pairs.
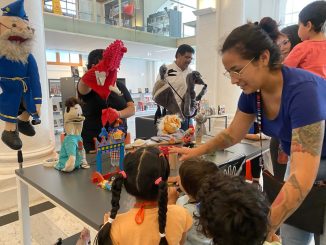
{"points": [[93, 105]]}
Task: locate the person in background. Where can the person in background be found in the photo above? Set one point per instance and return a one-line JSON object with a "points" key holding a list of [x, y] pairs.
{"points": [[151, 221], [288, 39], [282, 96], [93, 105], [177, 73], [233, 212], [310, 54], [192, 173]]}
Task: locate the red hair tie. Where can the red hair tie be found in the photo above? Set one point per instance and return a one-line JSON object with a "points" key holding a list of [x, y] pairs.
{"points": [[158, 181], [140, 215], [123, 173]]}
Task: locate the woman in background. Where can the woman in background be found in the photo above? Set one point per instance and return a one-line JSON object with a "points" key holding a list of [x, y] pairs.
{"points": [[93, 105]]}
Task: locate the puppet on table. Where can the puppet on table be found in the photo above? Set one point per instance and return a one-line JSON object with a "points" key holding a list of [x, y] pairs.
{"points": [[101, 78], [165, 95], [169, 129], [200, 127], [72, 152], [20, 89], [111, 143]]}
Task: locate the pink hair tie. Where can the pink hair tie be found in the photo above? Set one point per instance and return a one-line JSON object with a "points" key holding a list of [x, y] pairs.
{"points": [[123, 173], [158, 181]]}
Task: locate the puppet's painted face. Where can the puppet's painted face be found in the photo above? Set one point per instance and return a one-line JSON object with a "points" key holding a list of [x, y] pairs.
{"points": [[15, 38], [15, 30], [73, 120], [74, 114]]}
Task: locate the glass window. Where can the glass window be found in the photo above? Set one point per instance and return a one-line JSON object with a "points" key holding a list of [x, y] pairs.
{"points": [[74, 58], [206, 4], [64, 57], [68, 7], [51, 56], [292, 10]]}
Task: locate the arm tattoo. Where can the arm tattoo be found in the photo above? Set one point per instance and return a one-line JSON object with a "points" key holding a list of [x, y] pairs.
{"points": [[285, 199], [308, 139], [285, 212], [296, 186]]}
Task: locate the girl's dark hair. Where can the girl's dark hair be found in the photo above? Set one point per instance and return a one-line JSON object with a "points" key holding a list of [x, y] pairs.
{"points": [[250, 41], [94, 57], [314, 12], [240, 211], [270, 26], [142, 168], [192, 172], [292, 33]]}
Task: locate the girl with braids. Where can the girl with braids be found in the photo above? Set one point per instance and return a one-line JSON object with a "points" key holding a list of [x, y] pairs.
{"points": [[152, 221]]}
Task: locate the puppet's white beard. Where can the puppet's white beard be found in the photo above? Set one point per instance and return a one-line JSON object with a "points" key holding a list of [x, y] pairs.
{"points": [[15, 51]]}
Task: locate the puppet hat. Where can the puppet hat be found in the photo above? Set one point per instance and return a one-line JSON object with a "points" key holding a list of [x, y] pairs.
{"points": [[15, 9]]}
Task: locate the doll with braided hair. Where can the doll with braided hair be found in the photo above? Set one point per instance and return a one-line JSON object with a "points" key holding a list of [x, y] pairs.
{"points": [[152, 220]]}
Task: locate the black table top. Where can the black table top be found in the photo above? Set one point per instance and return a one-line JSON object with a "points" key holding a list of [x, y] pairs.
{"points": [[75, 192]]}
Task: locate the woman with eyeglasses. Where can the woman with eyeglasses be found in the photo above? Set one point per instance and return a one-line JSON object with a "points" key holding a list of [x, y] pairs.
{"points": [[290, 105], [288, 39]]}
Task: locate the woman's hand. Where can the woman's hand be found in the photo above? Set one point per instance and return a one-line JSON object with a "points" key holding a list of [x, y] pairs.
{"points": [[185, 152]]}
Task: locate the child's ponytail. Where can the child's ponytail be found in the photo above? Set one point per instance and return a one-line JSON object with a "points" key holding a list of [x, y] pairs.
{"points": [[103, 236], [162, 209]]}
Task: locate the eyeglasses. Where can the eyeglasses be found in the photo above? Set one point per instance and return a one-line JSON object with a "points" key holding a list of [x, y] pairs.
{"points": [[234, 74], [283, 43]]}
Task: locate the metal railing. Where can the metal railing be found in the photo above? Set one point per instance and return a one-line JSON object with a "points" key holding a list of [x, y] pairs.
{"points": [[170, 22]]}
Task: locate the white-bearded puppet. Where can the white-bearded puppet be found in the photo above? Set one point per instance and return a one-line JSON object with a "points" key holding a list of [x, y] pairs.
{"points": [[20, 89]]}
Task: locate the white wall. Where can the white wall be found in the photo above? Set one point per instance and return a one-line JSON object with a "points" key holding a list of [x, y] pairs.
{"points": [[139, 73], [136, 73], [213, 25]]}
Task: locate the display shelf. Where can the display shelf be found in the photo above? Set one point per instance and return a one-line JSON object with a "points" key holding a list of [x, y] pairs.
{"points": [[166, 23], [143, 101]]}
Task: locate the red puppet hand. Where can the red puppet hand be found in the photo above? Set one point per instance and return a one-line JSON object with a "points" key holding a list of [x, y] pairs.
{"points": [[109, 115], [103, 75]]}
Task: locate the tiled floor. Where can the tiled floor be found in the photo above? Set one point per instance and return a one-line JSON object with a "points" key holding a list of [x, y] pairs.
{"points": [[46, 228]]}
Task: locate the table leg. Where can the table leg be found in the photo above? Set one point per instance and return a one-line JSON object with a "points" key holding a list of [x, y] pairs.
{"points": [[23, 212], [226, 121], [209, 125]]}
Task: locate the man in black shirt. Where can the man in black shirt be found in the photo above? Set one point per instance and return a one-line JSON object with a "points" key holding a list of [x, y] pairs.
{"points": [[93, 105]]}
